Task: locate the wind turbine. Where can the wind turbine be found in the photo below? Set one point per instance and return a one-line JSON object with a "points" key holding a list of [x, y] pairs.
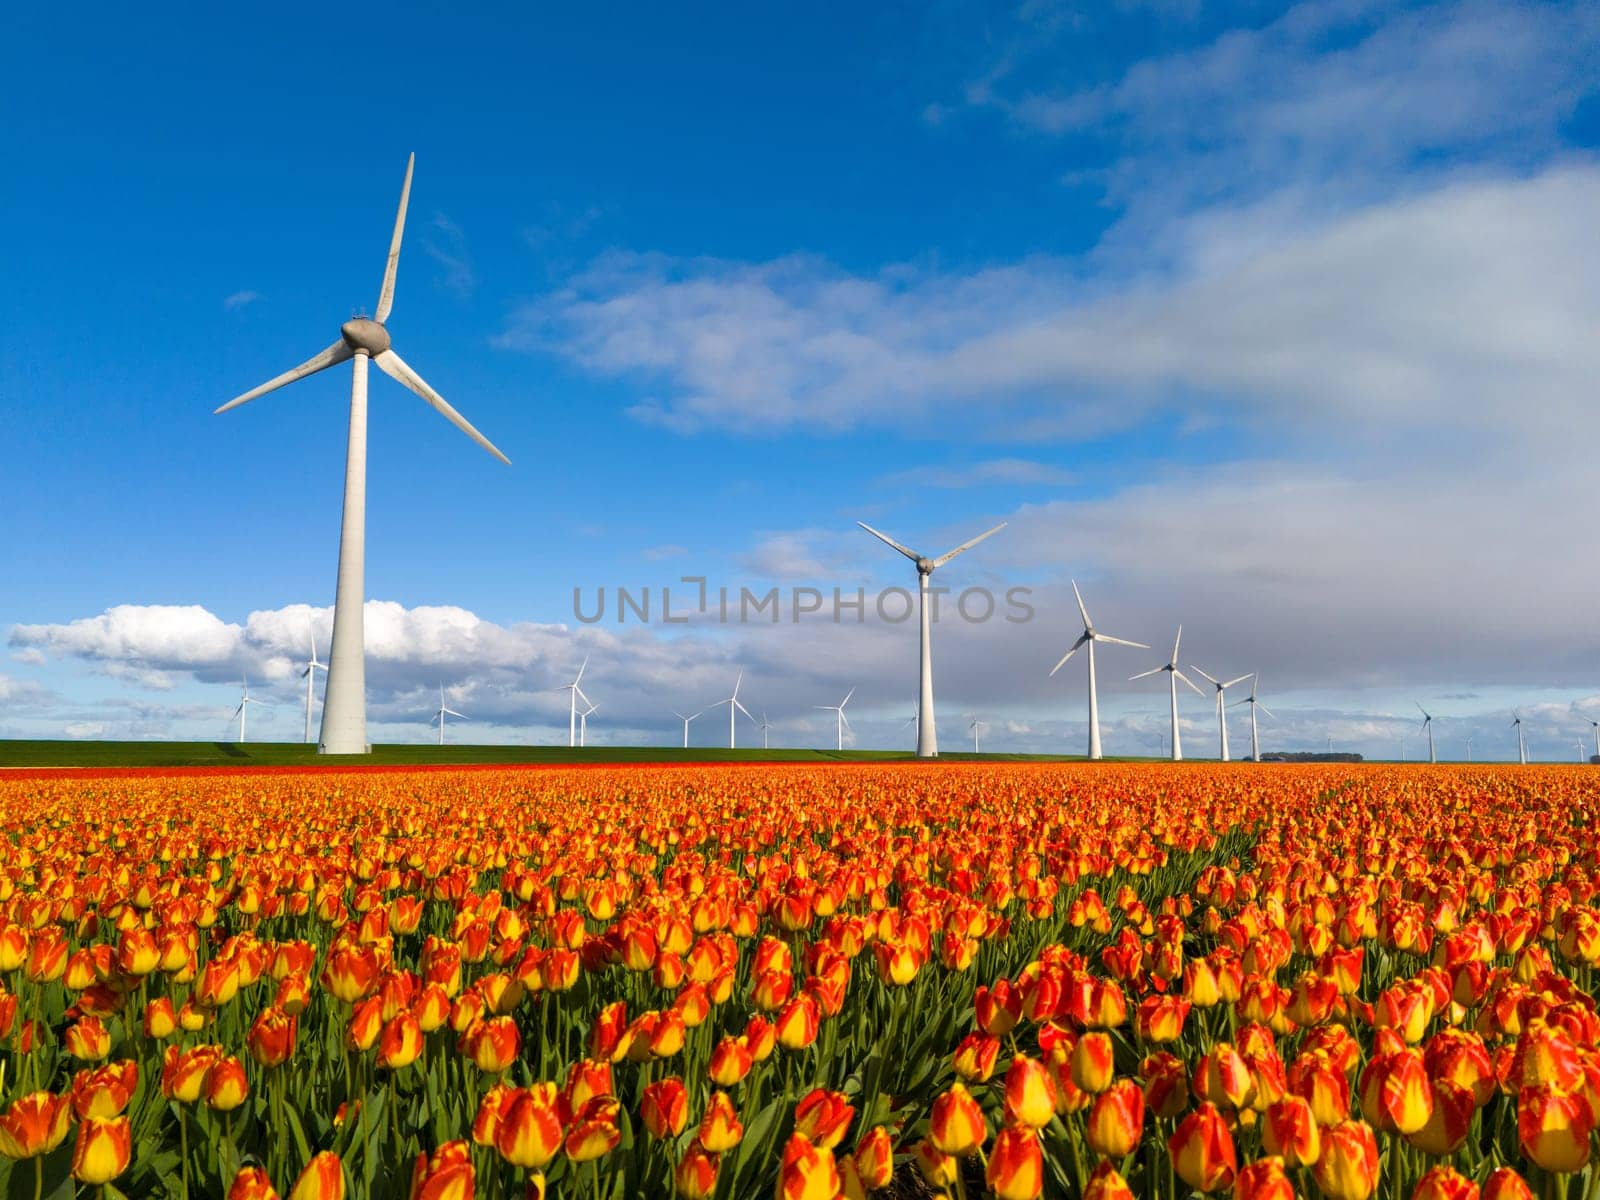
{"points": [[686, 720], [1427, 728], [764, 727], [1089, 637], [572, 708], [911, 721], [1469, 749], [245, 702], [838, 708], [361, 340], [1522, 742], [1171, 667], [978, 727], [1596, 725], [310, 676], [583, 722], [1579, 745], [1222, 712], [1255, 738], [442, 713], [734, 708], [927, 727]]}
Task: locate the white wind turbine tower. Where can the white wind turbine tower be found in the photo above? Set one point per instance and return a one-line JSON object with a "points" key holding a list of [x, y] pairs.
{"points": [[1579, 745], [245, 701], [1171, 667], [361, 339], [734, 708], [1522, 742], [1222, 712], [1596, 725], [685, 720], [310, 676], [1089, 637], [764, 727], [1469, 749], [843, 722], [583, 722], [977, 727], [927, 727], [444, 712], [1255, 738], [1427, 728], [572, 708]]}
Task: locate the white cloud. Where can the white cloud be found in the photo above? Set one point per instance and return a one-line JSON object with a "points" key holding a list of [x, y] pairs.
{"points": [[446, 243], [240, 299], [994, 472]]}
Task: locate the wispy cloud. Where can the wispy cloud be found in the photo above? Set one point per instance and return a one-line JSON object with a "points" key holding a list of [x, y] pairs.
{"points": [[239, 300], [445, 243], [994, 472]]}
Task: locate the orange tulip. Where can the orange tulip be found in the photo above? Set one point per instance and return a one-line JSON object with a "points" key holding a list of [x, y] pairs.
{"points": [[730, 1061], [1289, 1131], [35, 1124], [1347, 1168], [874, 1158], [1553, 1127], [824, 1117], [664, 1108], [103, 1149], [87, 1039], [1030, 1095], [1263, 1179], [1444, 1183], [1202, 1150], [1116, 1120], [527, 1132], [720, 1128], [975, 1057], [594, 1132], [956, 1125], [104, 1091], [696, 1175], [807, 1171], [400, 1042], [251, 1183], [322, 1179], [492, 1044], [1093, 1065], [225, 1085], [1505, 1184]]}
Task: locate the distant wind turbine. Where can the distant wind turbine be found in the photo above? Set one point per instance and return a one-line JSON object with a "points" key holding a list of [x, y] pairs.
{"points": [[1522, 742], [583, 723], [911, 722], [310, 676], [245, 701], [1222, 712], [927, 726], [444, 712], [734, 708], [686, 720], [1579, 744], [1469, 749], [978, 727], [1596, 725], [1171, 667], [843, 722], [764, 727], [1255, 738], [1089, 637], [572, 709], [1427, 728], [361, 339]]}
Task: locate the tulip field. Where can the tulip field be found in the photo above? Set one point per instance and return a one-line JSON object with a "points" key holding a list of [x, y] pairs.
{"points": [[890, 980]]}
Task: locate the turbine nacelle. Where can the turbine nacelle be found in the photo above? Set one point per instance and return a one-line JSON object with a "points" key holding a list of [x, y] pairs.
{"points": [[365, 336]]}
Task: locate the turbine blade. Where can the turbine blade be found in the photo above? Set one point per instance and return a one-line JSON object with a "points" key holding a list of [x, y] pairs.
{"points": [[1145, 674], [331, 357], [1201, 673], [1084, 612], [581, 668], [1082, 638], [1175, 642], [392, 365], [1264, 709], [1421, 710], [1106, 637], [884, 537], [965, 546], [1233, 682], [386, 295], [744, 710], [847, 696], [1186, 679]]}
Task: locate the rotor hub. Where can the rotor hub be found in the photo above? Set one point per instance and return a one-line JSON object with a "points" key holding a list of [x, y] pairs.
{"points": [[364, 334]]}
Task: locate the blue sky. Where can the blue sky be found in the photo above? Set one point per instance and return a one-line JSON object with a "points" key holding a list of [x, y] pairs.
{"points": [[1276, 321]]}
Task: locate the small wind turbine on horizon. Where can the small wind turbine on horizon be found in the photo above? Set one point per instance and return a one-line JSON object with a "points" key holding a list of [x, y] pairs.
{"points": [[911, 721], [310, 676], [245, 701], [927, 725], [1522, 742], [1171, 667], [1222, 712], [1255, 738], [361, 340], [686, 720], [765, 725], [977, 727], [1579, 744], [444, 712], [1427, 728], [1596, 725], [583, 723], [572, 708], [1089, 637], [734, 708], [843, 721]]}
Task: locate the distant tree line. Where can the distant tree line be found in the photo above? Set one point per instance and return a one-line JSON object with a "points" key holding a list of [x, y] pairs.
{"points": [[1309, 756]]}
